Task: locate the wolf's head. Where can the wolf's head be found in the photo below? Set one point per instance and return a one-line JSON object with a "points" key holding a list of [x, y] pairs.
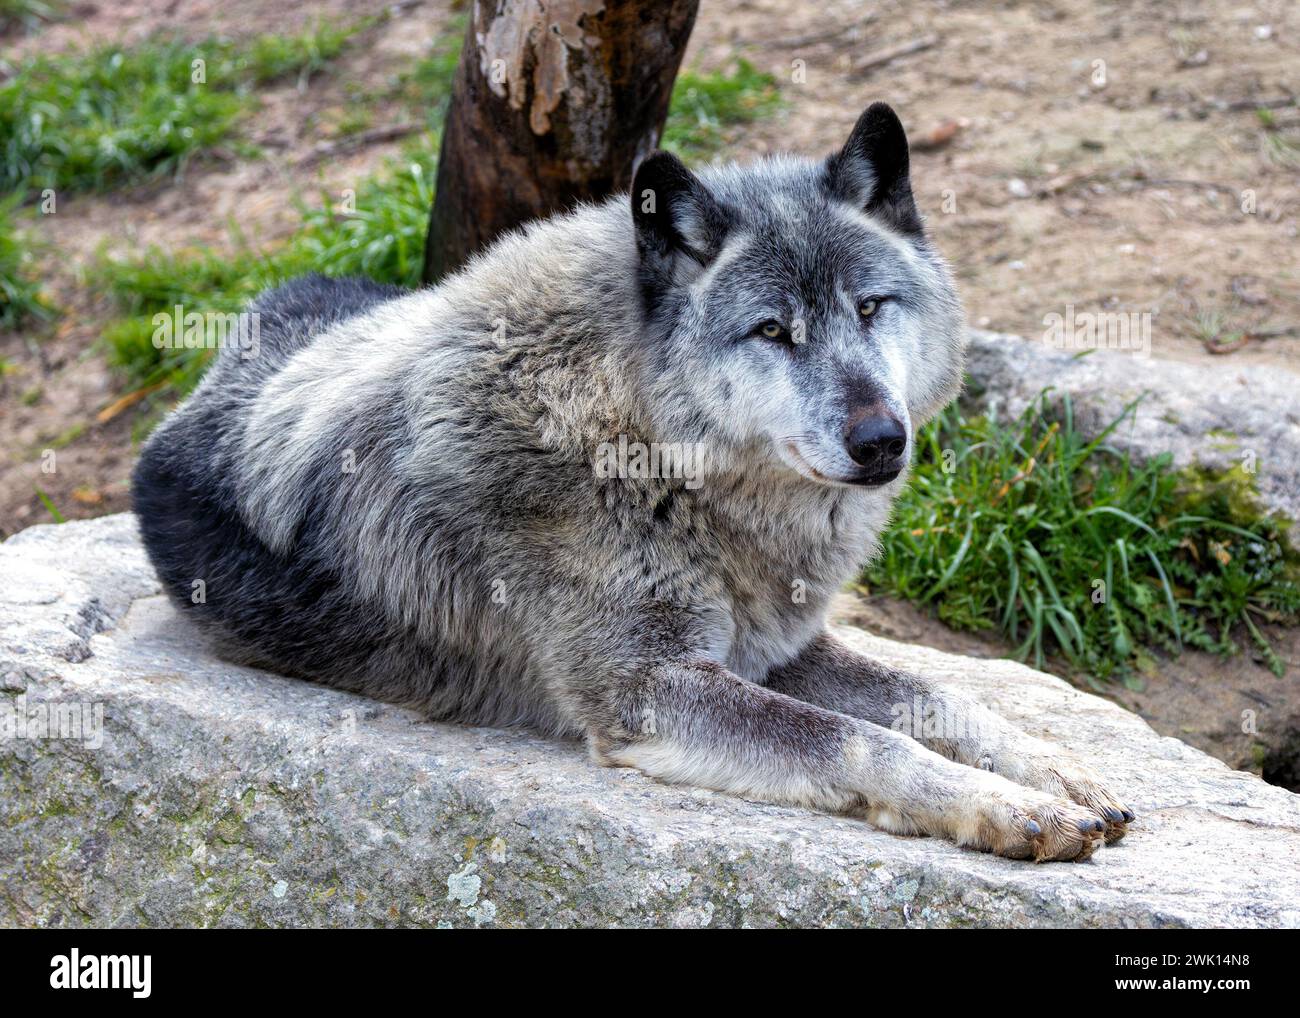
{"points": [[796, 311]]}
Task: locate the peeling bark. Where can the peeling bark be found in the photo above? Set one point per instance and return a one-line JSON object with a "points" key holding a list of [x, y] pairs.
{"points": [[554, 102]]}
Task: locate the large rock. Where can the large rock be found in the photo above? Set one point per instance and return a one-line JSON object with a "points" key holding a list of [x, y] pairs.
{"points": [[1218, 417], [225, 796]]}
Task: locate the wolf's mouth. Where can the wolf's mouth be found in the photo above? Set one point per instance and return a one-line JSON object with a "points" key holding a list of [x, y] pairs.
{"points": [[801, 464], [875, 480], [804, 467]]}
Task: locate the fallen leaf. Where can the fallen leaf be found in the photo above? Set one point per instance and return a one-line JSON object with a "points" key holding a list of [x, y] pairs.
{"points": [[936, 137]]}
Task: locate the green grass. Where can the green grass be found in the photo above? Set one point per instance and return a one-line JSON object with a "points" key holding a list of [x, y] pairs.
{"points": [[157, 283], [707, 108], [50, 507], [382, 237], [20, 292], [1066, 548], [87, 122], [272, 58]]}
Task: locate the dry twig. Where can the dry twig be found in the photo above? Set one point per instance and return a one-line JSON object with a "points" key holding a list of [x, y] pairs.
{"points": [[891, 53]]}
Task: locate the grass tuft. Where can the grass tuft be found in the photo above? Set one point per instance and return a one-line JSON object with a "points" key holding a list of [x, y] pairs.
{"points": [[706, 108], [50, 507], [273, 58], [1067, 548], [87, 122], [378, 233], [381, 237], [156, 283], [20, 292]]}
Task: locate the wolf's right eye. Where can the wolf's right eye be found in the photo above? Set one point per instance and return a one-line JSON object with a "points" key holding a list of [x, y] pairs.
{"points": [[772, 330]]}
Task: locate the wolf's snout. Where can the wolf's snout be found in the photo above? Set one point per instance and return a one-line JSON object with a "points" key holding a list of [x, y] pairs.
{"points": [[876, 443]]}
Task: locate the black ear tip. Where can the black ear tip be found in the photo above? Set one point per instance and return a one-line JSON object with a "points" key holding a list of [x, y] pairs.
{"points": [[659, 155], [658, 173], [660, 164], [880, 120], [871, 169]]}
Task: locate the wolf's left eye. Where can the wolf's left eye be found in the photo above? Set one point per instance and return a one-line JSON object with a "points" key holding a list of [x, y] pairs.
{"points": [[772, 330], [868, 307]]}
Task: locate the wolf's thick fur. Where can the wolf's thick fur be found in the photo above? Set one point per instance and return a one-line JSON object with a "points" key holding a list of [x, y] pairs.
{"points": [[399, 495]]}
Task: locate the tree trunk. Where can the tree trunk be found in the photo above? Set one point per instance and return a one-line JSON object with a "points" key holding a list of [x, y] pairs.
{"points": [[554, 102]]}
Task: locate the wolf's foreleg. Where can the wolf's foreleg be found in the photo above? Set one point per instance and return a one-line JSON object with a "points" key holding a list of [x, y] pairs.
{"points": [[829, 674], [696, 722]]}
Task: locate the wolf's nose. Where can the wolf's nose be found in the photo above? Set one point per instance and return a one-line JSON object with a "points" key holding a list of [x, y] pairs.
{"points": [[876, 442]]}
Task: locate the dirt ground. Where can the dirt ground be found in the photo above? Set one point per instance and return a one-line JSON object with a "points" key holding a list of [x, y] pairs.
{"points": [[1105, 155], [1233, 708]]}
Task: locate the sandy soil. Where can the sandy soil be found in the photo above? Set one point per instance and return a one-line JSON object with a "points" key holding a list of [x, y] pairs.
{"points": [[1068, 153]]}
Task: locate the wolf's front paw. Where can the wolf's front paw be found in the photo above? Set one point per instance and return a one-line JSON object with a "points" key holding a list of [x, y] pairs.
{"points": [[1023, 823], [1062, 775], [992, 814]]}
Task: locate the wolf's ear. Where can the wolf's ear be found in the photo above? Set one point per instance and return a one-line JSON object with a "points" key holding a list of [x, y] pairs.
{"points": [[871, 171], [675, 215]]}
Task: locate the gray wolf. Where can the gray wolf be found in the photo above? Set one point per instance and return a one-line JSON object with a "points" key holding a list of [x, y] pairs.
{"points": [[604, 482]]}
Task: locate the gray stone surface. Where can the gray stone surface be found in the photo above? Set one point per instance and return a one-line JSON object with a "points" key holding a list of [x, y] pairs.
{"points": [[225, 796], [1218, 415]]}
